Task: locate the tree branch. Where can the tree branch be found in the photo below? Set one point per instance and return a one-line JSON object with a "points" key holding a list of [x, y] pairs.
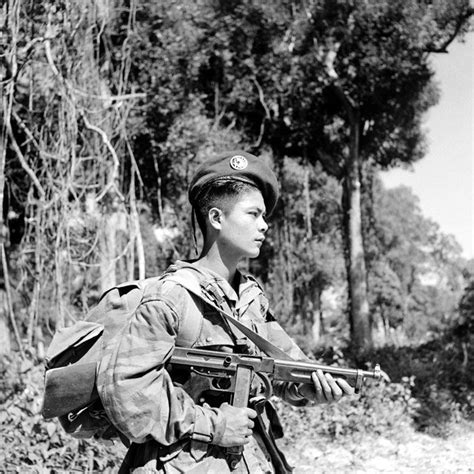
{"points": [[116, 163], [459, 24], [9, 301], [24, 163], [27, 131], [265, 107], [136, 95], [347, 102], [328, 67]]}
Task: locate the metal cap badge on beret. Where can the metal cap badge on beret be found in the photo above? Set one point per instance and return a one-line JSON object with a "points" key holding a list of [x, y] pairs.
{"points": [[241, 166]]}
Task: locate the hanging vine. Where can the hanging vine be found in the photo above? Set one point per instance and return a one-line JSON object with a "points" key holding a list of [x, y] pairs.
{"points": [[65, 128]]}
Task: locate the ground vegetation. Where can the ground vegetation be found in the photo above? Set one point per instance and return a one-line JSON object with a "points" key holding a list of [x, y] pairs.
{"points": [[107, 109]]}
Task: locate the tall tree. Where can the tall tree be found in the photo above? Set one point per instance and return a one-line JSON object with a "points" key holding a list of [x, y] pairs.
{"points": [[417, 270], [342, 83], [306, 256]]}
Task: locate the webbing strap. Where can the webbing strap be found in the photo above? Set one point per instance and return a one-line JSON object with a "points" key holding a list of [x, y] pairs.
{"points": [[263, 344]]}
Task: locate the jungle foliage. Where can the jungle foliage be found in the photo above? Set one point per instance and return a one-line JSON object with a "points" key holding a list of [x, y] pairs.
{"points": [[108, 107]]}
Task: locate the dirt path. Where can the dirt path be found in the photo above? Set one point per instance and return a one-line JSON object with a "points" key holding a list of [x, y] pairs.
{"points": [[417, 453]]}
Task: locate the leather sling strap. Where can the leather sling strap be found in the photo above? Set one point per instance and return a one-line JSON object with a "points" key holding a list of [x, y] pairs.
{"points": [[263, 344]]}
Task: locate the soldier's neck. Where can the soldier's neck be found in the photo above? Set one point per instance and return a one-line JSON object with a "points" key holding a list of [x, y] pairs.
{"points": [[212, 260]]}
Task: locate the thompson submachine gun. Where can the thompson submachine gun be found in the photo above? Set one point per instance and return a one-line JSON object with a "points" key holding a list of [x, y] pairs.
{"points": [[233, 373], [223, 372]]}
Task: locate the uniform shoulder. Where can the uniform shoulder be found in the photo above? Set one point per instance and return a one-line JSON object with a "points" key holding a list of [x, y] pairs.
{"points": [[162, 288], [176, 283]]}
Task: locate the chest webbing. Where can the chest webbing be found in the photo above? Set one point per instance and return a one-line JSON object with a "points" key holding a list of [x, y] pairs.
{"points": [[193, 287]]}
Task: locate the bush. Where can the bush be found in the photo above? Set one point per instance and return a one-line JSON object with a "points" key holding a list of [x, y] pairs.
{"points": [[381, 408], [443, 380], [431, 388], [28, 443]]}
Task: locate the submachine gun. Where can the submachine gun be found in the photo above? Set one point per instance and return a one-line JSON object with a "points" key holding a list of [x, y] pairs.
{"points": [[223, 372], [233, 373]]}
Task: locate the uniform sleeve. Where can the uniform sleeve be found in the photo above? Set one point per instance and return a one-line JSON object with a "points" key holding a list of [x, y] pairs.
{"points": [[286, 390], [136, 390]]}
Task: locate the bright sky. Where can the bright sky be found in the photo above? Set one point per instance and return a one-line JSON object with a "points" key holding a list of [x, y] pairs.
{"points": [[444, 178]]}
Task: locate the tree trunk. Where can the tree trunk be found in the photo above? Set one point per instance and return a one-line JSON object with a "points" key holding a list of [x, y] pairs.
{"points": [[307, 199], [5, 336], [355, 259], [317, 320], [111, 244], [361, 335], [136, 237]]}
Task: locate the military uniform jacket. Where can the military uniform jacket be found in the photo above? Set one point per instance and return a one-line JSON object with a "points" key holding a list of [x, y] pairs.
{"points": [[170, 432]]}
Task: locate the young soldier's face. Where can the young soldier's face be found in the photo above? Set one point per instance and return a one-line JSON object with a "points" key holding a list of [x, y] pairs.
{"points": [[243, 226]]}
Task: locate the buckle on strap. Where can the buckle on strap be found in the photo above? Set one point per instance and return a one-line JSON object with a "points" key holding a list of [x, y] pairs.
{"points": [[214, 293]]}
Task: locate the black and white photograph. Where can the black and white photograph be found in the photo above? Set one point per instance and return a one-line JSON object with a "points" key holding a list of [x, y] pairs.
{"points": [[237, 236]]}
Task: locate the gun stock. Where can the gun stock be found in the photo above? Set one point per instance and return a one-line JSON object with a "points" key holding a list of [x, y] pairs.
{"points": [[69, 388]]}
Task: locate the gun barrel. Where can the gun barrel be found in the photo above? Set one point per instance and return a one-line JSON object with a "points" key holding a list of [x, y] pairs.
{"points": [[301, 371], [277, 369]]}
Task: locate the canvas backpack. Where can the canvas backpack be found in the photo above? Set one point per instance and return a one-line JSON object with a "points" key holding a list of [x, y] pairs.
{"points": [[70, 391]]}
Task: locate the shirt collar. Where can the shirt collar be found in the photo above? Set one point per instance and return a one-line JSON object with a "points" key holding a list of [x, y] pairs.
{"points": [[214, 278]]}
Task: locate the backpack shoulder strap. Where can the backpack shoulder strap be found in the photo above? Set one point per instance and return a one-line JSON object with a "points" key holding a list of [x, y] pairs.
{"points": [[192, 322], [193, 286], [190, 279]]}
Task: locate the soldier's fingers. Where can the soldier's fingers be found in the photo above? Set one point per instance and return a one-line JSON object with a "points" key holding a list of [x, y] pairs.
{"points": [[318, 389], [336, 392], [326, 387], [345, 387], [251, 424], [251, 413]]}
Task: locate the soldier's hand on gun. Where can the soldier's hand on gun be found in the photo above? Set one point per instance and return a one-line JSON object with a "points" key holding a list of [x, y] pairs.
{"points": [[239, 425], [325, 388]]}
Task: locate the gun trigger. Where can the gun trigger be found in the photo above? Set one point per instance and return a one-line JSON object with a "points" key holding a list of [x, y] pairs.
{"points": [[267, 385]]}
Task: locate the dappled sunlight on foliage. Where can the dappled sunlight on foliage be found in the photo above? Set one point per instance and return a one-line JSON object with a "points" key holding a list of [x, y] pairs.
{"points": [[441, 377], [28, 443], [110, 107], [379, 409], [430, 390]]}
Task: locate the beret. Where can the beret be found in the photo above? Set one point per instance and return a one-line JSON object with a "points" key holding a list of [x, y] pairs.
{"points": [[238, 165]]}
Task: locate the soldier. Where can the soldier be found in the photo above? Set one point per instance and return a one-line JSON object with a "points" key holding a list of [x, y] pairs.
{"points": [[231, 195]]}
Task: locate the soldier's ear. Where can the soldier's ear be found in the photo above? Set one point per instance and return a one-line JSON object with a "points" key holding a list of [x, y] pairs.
{"points": [[215, 217]]}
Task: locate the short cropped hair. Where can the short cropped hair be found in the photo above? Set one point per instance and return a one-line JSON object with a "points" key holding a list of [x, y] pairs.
{"points": [[221, 193]]}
